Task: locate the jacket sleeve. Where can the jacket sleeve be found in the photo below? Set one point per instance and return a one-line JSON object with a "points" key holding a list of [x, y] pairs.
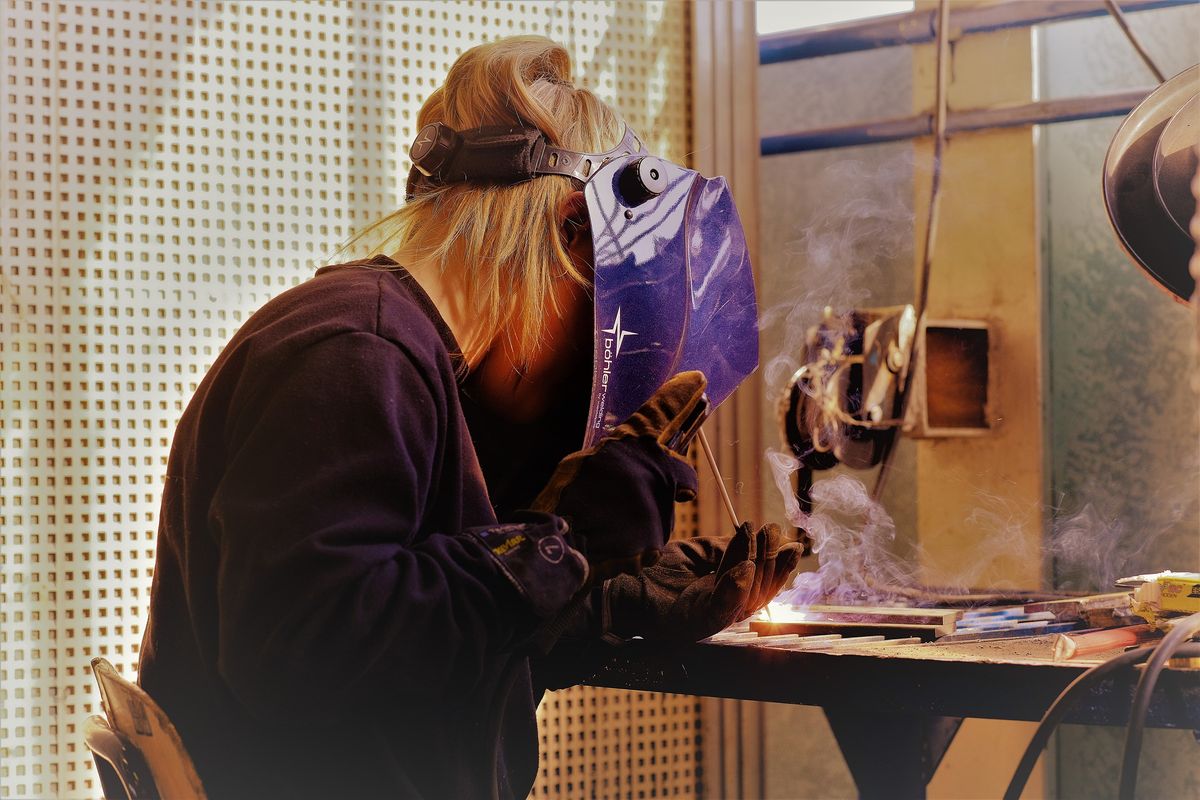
{"points": [[334, 591]]}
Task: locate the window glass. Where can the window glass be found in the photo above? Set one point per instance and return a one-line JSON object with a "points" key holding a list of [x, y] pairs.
{"points": [[783, 15]]}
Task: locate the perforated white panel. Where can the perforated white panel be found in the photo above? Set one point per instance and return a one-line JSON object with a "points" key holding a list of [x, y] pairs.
{"points": [[167, 167], [618, 745]]}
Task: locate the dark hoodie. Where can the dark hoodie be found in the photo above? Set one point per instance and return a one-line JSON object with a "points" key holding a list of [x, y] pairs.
{"points": [[319, 624]]}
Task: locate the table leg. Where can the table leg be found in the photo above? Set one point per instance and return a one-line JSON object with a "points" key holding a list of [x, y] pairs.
{"points": [[891, 756]]}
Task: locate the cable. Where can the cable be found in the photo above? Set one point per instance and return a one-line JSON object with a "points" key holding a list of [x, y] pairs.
{"points": [[1182, 630], [1119, 17], [935, 197], [939, 144], [1066, 700]]}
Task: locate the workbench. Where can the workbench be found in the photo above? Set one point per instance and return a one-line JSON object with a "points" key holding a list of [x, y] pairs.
{"points": [[894, 709]]}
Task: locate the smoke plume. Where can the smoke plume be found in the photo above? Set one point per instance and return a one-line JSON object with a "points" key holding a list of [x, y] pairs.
{"points": [[841, 259], [860, 253], [851, 534]]}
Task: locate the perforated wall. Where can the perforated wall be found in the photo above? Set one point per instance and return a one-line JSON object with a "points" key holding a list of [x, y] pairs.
{"points": [[606, 744], [167, 167]]}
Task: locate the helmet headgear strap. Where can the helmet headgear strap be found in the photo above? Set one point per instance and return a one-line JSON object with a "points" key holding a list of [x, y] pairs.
{"points": [[500, 155]]}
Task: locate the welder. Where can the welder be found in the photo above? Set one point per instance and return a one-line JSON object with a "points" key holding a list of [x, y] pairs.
{"points": [[372, 514]]}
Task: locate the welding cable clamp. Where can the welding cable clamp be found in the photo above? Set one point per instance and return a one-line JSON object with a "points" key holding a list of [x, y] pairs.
{"points": [[534, 555]]}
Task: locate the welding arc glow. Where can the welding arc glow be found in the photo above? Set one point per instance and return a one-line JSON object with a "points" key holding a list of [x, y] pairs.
{"points": [[782, 612]]}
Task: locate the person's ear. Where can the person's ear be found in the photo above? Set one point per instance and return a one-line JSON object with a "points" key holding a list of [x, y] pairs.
{"points": [[573, 219]]}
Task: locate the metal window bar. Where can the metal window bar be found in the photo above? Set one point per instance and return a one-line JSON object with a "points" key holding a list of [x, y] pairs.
{"points": [[918, 27], [893, 130]]}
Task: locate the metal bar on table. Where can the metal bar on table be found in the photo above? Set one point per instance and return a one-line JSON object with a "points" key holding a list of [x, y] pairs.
{"points": [[917, 27], [893, 130]]}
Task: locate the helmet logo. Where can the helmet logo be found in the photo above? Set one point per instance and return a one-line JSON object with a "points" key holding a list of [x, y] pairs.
{"points": [[608, 354], [619, 332]]}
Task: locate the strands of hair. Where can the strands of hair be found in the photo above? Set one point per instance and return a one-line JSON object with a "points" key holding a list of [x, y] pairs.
{"points": [[500, 244]]}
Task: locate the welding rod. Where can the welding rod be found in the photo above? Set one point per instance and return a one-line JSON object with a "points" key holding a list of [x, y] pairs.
{"points": [[716, 471]]}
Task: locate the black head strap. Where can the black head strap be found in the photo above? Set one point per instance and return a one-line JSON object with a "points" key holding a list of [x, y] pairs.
{"points": [[500, 155]]}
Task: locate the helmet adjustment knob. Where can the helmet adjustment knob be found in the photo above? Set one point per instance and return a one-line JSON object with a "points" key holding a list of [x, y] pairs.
{"points": [[642, 179], [432, 149]]}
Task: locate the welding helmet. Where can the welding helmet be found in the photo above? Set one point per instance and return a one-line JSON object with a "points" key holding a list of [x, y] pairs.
{"points": [[1148, 174], [674, 289]]}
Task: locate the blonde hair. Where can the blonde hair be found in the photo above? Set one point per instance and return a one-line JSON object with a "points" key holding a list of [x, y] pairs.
{"points": [[507, 237]]}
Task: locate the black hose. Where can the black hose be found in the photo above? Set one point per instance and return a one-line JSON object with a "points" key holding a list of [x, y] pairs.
{"points": [[1058, 709], [1063, 704], [1181, 631]]}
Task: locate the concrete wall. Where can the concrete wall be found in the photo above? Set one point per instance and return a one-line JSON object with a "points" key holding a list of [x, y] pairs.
{"points": [[1122, 422]]}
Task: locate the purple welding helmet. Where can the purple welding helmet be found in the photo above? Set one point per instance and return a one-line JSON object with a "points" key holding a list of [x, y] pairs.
{"points": [[674, 289]]}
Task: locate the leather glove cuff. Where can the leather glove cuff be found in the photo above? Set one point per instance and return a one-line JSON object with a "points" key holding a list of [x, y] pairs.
{"points": [[533, 554]]}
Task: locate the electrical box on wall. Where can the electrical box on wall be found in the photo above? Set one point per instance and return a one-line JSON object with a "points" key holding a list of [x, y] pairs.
{"points": [[951, 381]]}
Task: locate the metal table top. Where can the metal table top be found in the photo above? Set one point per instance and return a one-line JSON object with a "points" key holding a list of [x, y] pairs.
{"points": [[1006, 679]]}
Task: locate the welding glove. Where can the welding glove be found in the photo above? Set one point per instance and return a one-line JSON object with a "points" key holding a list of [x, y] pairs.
{"points": [[619, 497], [699, 586], [533, 555]]}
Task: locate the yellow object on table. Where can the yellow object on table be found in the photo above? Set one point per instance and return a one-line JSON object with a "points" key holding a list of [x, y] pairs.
{"points": [[1166, 593]]}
